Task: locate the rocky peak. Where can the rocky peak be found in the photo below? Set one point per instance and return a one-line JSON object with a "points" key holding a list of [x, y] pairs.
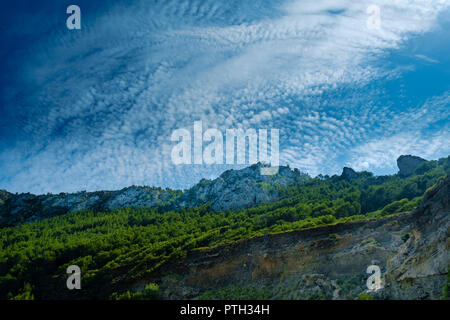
{"points": [[4, 195], [240, 189], [407, 164], [349, 173]]}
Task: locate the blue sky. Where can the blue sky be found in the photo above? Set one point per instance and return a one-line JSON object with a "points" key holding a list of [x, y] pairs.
{"points": [[95, 108]]}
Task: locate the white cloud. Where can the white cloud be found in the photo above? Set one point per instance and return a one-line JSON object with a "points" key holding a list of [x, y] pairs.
{"points": [[382, 153]]}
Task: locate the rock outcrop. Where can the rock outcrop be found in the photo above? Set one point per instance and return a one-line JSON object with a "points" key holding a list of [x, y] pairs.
{"points": [[349, 173], [407, 164], [241, 189], [418, 269]]}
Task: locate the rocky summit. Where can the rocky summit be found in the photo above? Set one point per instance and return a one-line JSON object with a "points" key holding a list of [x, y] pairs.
{"points": [[407, 164], [349, 173], [241, 189]]}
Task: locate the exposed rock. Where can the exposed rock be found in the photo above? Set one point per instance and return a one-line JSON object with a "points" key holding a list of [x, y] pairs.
{"points": [[239, 189], [407, 164], [349, 173], [420, 266], [4, 195]]}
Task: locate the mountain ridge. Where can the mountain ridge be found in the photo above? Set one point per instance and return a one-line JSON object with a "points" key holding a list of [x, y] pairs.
{"points": [[232, 190]]}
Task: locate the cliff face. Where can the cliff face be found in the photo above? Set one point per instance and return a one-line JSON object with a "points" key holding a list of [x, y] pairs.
{"points": [[407, 164], [241, 189], [418, 269], [412, 251]]}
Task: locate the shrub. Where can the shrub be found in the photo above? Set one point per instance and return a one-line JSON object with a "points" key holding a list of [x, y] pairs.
{"points": [[150, 292], [364, 296]]}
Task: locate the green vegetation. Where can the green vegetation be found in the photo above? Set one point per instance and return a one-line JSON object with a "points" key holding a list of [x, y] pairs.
{"points": [[24, 294], [370, 241], [333, 236], [320, 295], [350, 287], [236, 292], [150, 292], [445, 290], [364, 296], [118, 247]]}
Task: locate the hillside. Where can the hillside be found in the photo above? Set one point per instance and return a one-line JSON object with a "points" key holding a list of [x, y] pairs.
{"points": [[326, 262], [305, 238], [234, 189]]}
